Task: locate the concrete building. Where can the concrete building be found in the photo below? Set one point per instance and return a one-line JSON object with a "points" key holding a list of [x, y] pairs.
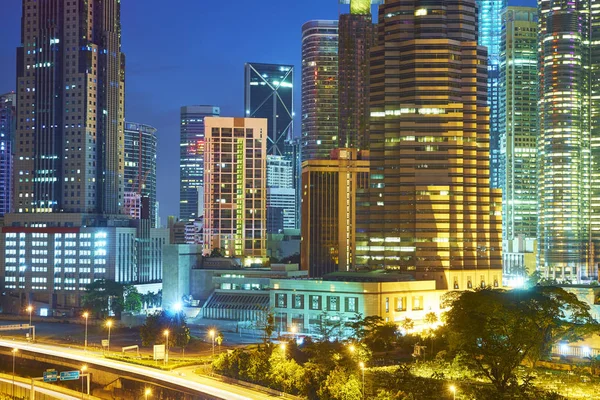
{"points": [[329, 197], [568, 145], [519, 129], [140, 170], [236, 186], [191, 159], [430, 207], [8, 120], [319, 89]]}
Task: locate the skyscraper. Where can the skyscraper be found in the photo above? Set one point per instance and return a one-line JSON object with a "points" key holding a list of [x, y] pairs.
{"points": [[191, 159], [236, 185], [329, 193], [356, 36], [430, 205], [519, 94], [7, 131], [281, 195], [490, 36], [140, 167], [70, 98], [269, 93], [568, 145], [319, 89]]}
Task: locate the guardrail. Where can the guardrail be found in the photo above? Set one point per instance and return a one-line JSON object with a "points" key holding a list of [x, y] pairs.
{"points": [[25, 392], [563, 349]]}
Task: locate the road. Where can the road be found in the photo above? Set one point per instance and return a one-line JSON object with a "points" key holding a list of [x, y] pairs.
{"points": [[38, 389], [194, 382]]}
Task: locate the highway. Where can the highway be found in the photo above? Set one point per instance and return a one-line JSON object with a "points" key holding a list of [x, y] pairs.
{"points": [[200, 384], [38, 389]]}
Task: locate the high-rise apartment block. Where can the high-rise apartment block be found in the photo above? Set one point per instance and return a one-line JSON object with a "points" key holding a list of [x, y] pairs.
{"points": [[70, 99], [140, 170], [329, 199], [490, 36], [519, 94], [236, 186], [356, 37], [430, 206], [319, 89], [569, 140], [8, 122], [191, 159]]}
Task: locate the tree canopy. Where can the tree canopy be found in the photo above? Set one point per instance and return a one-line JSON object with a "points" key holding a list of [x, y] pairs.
{"points": [[152, 331], [495, 330], [103, 297]]}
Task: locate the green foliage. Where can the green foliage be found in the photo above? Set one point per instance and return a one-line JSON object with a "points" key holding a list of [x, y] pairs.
{"points": [[328, 327], [217, 252], [133, 299], [496, 330], [152, 300], [431, 318], [407, 324], [152, 331], [340, 385], [102, 296]]}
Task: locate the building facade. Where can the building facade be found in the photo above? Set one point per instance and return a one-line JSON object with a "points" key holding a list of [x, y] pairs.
{"points": [[140, 169], [329, 196], [568, 146], [356, 37], [490, 35], [8, 122], [69, 138], [430, 206], [236, 185], [519, 122], [319, 89], [191, 159]]}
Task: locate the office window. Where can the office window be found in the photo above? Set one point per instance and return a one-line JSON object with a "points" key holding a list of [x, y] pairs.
{"points": [[417, 303], [281, 300], [333, 303], [298, 301], [351, 304], [401, 304], [315, 302]]}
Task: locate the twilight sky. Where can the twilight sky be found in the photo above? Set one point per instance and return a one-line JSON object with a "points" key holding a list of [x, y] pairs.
{"points": [[184, 52]]}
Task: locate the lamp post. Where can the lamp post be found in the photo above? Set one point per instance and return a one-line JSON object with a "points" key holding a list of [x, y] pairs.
{"points": [[362, 366], [14, 351], [147, 393], [453, 390], [283, 347], [294, 330], [108, 324], [166, 333], [83, 369], [29, 310], [212, 334], [85, 315]]}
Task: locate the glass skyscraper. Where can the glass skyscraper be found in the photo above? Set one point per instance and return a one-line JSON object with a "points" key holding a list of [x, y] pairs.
{"points": [[490, 36], [519, 128], [569, 141], [319, 89], [7, 135], [191, 159]]}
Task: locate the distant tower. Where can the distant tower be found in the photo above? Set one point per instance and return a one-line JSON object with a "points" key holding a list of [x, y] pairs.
{"points": [[7, 135], [356, 37], [140, 166], [319, 89], [191, 159]]}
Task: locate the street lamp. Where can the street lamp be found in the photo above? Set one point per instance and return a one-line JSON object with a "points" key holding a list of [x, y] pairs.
{"points": [[282, 345], [362, 366], [294, 330], [352, 348], [14, 351], [147, 393], [108, 324], [83, 369], [166, 333], [85, 315], [453, 390], [29, 310], [212, 334]]}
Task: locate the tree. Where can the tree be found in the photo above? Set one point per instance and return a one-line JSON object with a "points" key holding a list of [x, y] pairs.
{"points": [[152, 331], [496, 330], [431, 318], [103, 297], [217, 252], [407, 324], [327, 326], [133, 299]]}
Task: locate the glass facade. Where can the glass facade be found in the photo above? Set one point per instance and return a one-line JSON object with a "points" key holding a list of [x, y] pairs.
{"points": [[569, 141], [140, 167], [430, 207], [319, 89], [519, 87], [7, 132], [490, 36], [191, 159]]}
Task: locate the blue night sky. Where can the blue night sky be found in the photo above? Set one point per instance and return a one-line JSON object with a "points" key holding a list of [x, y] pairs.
{"points": [[183, 52]]}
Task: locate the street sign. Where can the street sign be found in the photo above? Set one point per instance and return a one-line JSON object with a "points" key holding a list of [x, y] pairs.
{"points": [[69, 375], [159, 351], [104, 343], [50, 376]]}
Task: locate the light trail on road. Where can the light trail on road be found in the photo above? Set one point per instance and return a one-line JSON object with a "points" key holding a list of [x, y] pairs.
{"points": [[231, 393]]}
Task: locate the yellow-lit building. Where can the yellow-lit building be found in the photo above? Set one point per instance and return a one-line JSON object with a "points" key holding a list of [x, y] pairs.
{"points": [[235, 187]]}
